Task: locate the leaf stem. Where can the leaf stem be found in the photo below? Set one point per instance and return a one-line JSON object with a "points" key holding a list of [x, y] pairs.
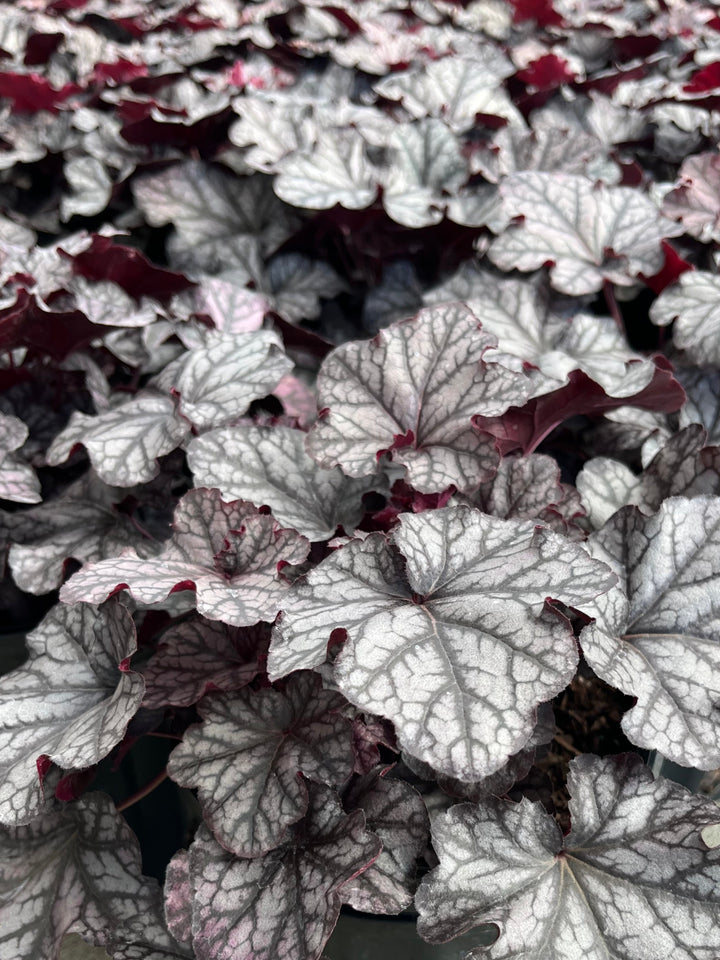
{"points": [[142, 792], [612, 305], [564, 742]]}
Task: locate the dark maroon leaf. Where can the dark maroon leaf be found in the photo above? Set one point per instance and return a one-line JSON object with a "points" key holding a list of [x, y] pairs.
{"points": [[525, 427], [197, 656]]}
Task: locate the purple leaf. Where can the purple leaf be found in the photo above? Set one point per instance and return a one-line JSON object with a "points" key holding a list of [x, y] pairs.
{"points": [[395, 812], [445, 635], [632, 880], [197, 655], [228, 552], [528, 426], [246, 757], [69, 704], [285, 904], [77, 869]]}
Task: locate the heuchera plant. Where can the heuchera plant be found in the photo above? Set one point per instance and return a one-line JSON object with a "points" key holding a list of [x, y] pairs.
{"points": [[360, 444]]}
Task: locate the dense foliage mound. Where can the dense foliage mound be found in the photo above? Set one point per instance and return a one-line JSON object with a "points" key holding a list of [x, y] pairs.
{"points": [[359, 445]]}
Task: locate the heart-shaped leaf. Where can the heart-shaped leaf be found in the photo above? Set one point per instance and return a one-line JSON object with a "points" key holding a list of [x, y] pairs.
{"points": [[198, 655]]}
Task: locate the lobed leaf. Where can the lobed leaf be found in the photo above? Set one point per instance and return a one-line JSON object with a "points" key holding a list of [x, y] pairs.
{"points": [[70, 703], [77, 869], [589, 233], [632, 880], [269, 465], [445, 632], [655, 631], [284, 905], [412, 390], [246, 757], [228, 552]]}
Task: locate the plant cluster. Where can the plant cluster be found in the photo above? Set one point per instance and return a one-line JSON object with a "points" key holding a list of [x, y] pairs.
{"points": [[360, 440]]}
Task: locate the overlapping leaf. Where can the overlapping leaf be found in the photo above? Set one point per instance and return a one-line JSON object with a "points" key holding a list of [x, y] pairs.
{"points": [[228, 552], [269, 465], [694, 201], [588, 232], [455, 88], [70, 703], [125, 441], [219, 380], [632, 880], [218, 218], [703, 400], [396, 813], [445, 632], [198, 655], [530, 327], [284, 905], [18, 480], [655, 635], [77, 869], [106, 303], [427, 162], [527, 488], [500, 782], [246, 757], [694, 304], [82, 525], [413, 390], [684, 466]]}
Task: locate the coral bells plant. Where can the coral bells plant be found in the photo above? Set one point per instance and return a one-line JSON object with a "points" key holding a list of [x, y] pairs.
{"points": [[360, 477]]}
